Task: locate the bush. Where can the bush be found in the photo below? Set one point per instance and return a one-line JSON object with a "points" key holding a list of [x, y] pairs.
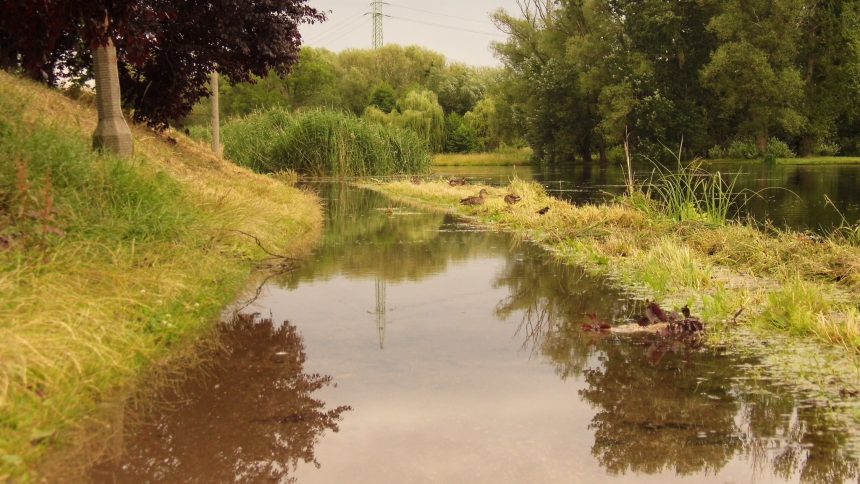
{"points": [[717, 152], [826, 148], [323, 142], [777, 148], [616, 154], [742, 149]]}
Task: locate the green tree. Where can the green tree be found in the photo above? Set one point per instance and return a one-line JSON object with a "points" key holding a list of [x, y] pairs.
{"points": [[384, 98], [753, 71]]}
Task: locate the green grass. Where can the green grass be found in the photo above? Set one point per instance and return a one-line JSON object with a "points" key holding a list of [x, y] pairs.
{"points": [[692, 193], [498, 158], [110, 268], [323, 143], [809, 160]]}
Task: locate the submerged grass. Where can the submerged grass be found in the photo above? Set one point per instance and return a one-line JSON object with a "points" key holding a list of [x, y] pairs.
{"points": [[782, 279], [323, 142], [521, 156], [109, 267]]}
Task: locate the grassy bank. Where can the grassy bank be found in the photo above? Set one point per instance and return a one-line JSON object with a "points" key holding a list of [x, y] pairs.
{"points": [[110, 267], [811, 160], [784, 281], [323, 143], [498, 158]]}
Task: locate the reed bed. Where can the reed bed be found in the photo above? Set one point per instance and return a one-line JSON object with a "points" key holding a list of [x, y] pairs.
{"points": [[323, 142]]}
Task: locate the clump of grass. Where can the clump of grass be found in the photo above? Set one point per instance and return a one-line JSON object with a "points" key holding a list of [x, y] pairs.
{"points": [[692, 193], [796, 306], [323, 142], [668, 265], [850, 233]]}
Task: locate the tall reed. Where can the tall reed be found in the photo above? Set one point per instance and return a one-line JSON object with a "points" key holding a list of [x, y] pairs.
{"points": [[323, 142]]}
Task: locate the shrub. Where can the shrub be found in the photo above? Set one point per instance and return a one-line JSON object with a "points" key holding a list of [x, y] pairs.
{"points": [[777, 148], [742, 149], [717, 152], [826, 148], [616, 154]]}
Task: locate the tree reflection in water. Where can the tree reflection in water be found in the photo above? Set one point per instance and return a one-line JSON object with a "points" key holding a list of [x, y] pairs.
{"points": [[251, 417], [663, 406]]}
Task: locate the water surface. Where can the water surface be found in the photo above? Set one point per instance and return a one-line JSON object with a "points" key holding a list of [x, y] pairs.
{"points": [[415, 349]]}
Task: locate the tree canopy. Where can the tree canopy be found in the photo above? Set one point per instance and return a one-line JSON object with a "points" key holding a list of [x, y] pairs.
{"points": [[584, 73], [166, 49]]}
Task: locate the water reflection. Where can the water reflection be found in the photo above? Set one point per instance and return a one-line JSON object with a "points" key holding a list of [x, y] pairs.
{"points": [[665, 406], [252, 417], [790, 195]]}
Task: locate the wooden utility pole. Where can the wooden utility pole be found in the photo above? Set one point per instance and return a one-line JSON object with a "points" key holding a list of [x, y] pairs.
{"points": [[112, 133], [216, 116]]}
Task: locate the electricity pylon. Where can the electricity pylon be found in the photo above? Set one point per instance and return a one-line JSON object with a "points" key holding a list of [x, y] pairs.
{"points": [[377, 22]]}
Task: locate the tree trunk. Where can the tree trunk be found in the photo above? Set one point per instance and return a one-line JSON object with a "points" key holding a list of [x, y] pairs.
{"points": [[112, 133], [806, 144], [761, 141], [216, 116]]}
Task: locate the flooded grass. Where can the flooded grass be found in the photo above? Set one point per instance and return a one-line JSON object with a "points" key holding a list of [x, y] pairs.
{"points": [[718, 270], [140, 257]]}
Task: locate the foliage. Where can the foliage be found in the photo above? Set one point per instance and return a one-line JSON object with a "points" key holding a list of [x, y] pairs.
{"points": [[581, 75], [384, 98], [323, 143], [419, 112], [460, 137], [242, 38], [776, 148], [742, 149], [826, 148]]}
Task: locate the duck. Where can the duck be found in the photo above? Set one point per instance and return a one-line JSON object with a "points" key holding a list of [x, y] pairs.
{"points": [[479, 200], [511, 199], [456, 182], [543, 211], [654, 312]]}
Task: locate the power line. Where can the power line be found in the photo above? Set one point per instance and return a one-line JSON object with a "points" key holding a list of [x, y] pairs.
{"points": [[337, 28], [437, 13], [491, 34]]}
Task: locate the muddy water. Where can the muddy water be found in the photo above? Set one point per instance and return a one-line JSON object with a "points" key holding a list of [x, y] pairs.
{"points": [[415, 349], [793, 196]]}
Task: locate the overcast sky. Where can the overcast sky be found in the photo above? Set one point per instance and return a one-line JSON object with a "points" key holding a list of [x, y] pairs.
{"points": [[460, 29]]}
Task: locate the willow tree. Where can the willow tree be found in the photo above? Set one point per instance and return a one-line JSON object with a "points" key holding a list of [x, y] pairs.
{"points": [[418, 111]]}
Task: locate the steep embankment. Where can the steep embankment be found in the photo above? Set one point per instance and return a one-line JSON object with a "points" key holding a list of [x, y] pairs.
{"points": [[109, 266]]}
